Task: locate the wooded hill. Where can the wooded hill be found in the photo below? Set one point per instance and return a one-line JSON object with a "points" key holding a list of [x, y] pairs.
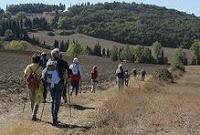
{"points": [[133, 23]]}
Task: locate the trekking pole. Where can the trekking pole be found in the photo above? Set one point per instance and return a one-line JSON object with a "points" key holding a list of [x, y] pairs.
{"points": [[70, 109], [42, 111], [25, 101]]}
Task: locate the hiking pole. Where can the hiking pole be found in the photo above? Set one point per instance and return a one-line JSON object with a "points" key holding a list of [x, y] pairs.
{"points": [[42, 111], [25, 101], [70, 111]]}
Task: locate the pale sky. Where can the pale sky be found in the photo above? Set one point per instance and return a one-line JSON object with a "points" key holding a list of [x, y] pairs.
{"points": [[188, 6]]}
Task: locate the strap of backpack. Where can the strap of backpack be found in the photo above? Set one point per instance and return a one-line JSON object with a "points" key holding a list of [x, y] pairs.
{"points": [[35, 70]]}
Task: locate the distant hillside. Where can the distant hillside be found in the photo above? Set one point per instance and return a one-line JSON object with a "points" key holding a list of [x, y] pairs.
{"points": [[133, 23], [34, 8]]}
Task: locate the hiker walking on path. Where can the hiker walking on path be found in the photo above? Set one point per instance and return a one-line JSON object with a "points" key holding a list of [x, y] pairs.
{"points": [[43, 60], [43, 63], [120, 76], [66, 84], [126, 76], [94, 75], [134, 72], [53, 74], [75, 76], [32, 74], [143, 74]]}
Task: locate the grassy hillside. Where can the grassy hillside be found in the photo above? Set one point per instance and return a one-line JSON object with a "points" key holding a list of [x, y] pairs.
{"points": [[91, 41], [133, 23]]}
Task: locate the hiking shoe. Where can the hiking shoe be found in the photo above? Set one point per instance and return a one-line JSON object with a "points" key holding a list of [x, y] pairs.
{"points": [[34, 119]]}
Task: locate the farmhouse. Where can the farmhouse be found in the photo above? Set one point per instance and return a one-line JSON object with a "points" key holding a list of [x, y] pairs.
{"points": [[49, 16]]}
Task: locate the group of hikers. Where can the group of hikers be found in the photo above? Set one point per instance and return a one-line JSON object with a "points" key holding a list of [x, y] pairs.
{"points": [[55, 75], [122, 77]]}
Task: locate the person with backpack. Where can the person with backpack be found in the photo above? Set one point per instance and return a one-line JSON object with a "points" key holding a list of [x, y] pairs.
{"points": [[126, 77], [120, 76], [143, 74], [94, 75], [43, 60], [53, 75], [75, 76], [43, 63], [32, 74], [134, 72], [66, 84]]}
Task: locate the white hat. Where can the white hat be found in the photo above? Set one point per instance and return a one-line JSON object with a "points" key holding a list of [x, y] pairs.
{"points": [[120, 65], [75, 60], [43, 53], [55, 52]]}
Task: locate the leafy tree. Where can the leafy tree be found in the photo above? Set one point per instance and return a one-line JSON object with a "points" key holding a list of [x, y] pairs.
{"points": [[126, 54], [114, 53], [74, 49], [138, 54], [97, 50], [87, 50], [148, 58], [28, 23], [56, 44], [196, 49], [7, 14], [63, 23], [21, 15], [157, 51], [178, 61]]}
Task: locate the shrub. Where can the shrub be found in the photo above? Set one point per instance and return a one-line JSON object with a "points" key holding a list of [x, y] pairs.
{"points": [[17, 45], [74, 49], [50, 33], [97, 50], [66, 33], [8, 35], [114, 53], [163, 74]]}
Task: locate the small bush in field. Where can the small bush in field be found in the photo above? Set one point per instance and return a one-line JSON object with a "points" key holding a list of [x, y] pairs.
{"points": [[178, 61], [17, 45], [163, 74]]}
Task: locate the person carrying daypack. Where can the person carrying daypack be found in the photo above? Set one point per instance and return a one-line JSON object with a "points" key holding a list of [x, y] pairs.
{"points": [[134, 72], [53, 75], [43, 60], [94, 75], [120, 76], [75, 76], [143, 74], [32, 74], [66, 84], [126, 77], [43, 63]]}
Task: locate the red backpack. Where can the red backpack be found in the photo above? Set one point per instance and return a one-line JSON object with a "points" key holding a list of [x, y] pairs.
{"points": [[33, 80]]}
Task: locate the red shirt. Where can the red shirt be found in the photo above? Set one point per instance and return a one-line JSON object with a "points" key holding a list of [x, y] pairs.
{"points": [[94, 74]]}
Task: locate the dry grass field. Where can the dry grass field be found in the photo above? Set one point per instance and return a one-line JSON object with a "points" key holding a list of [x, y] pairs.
{"points": [[145, 108], [13, 64]]}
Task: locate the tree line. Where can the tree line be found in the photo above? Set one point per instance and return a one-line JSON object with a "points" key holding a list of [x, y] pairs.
{"points": [[34, 8], [133, 23]]}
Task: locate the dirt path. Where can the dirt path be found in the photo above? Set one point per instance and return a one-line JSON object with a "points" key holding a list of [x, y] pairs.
{"points": [[172, 111], [83, 111]]}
